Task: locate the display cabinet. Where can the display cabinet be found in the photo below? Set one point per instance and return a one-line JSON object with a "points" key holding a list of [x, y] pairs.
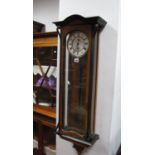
{"points": [[44, 90]]}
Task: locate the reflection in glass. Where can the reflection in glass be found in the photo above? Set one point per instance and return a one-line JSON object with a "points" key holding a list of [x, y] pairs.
{"points": [[75, 93], [44, 77]]}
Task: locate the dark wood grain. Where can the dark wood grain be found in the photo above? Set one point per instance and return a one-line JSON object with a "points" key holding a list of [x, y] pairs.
{"points": [[82, 78]]}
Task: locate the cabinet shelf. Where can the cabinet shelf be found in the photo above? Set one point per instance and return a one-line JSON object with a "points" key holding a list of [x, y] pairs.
{"points": [[45, 39], [46, 111]]}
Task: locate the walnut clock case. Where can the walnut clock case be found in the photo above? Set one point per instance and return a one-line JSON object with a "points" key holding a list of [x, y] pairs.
{"points": [[78, 76]]}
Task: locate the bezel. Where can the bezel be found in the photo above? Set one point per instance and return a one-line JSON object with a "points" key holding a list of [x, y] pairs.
{"points": [[69, 40]]}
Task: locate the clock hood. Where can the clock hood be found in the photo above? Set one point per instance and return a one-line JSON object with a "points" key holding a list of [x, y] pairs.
{"points": [[74, 19]]}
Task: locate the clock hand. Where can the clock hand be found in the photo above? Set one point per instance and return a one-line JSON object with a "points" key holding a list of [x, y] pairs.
{"points": [[78, 43]]}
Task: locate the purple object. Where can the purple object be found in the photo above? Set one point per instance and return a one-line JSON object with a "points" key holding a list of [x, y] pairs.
{"points": [[49, 83]]}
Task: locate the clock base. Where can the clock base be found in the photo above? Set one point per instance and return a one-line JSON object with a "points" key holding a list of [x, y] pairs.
{"points": [[81, 146]]}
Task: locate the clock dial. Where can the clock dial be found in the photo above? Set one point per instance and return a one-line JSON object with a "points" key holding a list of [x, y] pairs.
{"points": [[78, 44]]}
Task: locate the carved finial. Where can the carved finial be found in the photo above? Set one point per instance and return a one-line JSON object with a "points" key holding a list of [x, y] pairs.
{"points": [[79, 148]]}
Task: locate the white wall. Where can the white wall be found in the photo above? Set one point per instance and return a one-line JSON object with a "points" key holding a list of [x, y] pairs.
{"points": [[46, 12], [108, 96], [116, 113]]}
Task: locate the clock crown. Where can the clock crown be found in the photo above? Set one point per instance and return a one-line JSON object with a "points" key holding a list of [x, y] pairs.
{"points": [[74, 19]]}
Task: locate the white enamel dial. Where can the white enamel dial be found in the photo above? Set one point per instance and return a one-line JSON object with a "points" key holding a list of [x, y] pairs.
{"points": [[78, 44]]}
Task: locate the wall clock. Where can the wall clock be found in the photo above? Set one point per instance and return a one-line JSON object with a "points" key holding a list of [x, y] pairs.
{"points": [[78, 75]]}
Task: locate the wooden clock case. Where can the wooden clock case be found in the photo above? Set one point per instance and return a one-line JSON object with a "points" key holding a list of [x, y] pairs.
{"points": [[81, 97]]}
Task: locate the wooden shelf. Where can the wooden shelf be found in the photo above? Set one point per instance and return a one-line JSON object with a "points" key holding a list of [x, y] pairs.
{"points": [[45, 39], [46, 111]]}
